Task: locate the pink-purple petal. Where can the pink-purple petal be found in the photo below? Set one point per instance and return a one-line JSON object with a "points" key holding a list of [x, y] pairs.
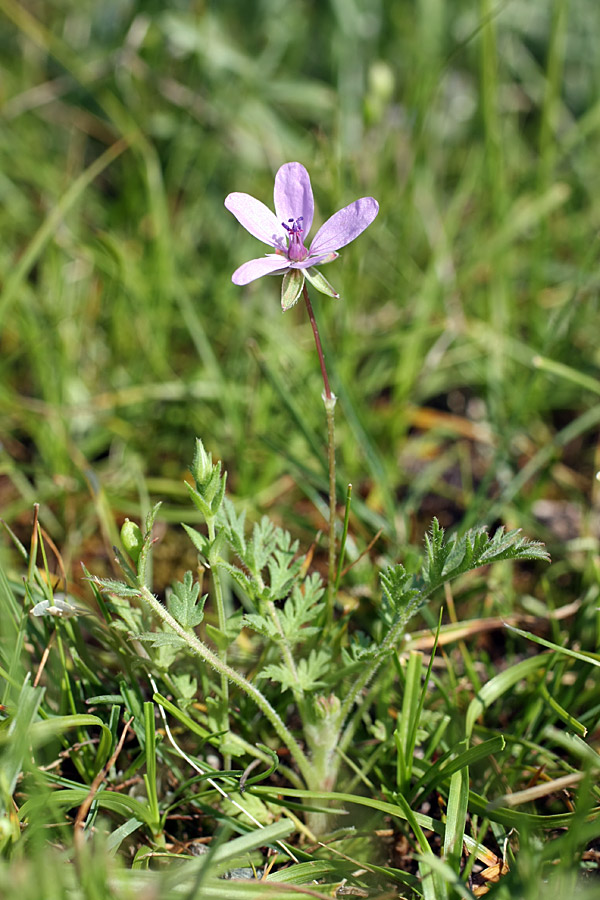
{"points": [[293, 195], [344, 226], [256, 218], [256, 268], [315, 260]]}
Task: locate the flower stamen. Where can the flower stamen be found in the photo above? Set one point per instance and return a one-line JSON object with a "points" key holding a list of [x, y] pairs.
{"points": [[296, 249]]}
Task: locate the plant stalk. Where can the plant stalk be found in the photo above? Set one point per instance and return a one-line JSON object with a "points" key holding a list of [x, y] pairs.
{"points": [[329, 400], [218, 586]]}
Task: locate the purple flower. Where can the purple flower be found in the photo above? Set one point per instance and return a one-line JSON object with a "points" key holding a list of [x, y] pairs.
{"points": [[284, 230]]}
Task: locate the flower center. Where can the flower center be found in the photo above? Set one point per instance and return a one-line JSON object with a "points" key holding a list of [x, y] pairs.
{"points": [[296, 249]]}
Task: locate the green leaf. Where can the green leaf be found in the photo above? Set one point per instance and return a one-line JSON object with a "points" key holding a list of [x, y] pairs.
{"points": [[449, 763], [132, 616], [404, 594], [187, 688], [17, 737], [233, 525], [401, 598], [248, 585], [199, 502], [307, 872], [282, 567], [456, 816], [260, 548], [183, 603], [200, 541], [161, 639], [182, 717], [144, 555], [499, 685], [119, 588], [291, 288], [449, 559], [233, 626], [302, 606], [308, 672], [592, 658], [115, 802], [261, 625]]}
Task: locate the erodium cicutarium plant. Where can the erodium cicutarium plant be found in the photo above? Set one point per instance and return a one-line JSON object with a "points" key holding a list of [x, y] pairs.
{"points": [[285, 231], [310, 673]]}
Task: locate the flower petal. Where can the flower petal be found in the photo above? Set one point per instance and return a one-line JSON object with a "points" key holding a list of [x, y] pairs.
{"points": [[293, 195], [256, 268], [319, 260], [257, 219], [344, 226]]}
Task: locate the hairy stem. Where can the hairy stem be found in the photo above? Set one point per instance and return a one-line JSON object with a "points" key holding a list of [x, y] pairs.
{"points": [[329, 399], [199, 649]]}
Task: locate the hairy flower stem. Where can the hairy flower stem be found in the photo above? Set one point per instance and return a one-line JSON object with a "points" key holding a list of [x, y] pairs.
{"points": [[200, 649], [221, 618], [329, 400]]}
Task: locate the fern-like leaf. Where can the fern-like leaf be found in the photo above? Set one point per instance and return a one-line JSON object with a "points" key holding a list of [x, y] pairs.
{"points": [[447, 560], [404, 594], [183, 603], [309, 671], [301, 607]]}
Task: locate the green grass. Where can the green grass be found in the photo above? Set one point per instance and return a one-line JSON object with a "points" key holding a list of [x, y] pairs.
{"points": [[465, 357]]}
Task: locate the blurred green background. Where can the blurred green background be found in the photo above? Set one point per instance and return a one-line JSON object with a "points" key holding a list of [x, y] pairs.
{"points": [[465, 348]]}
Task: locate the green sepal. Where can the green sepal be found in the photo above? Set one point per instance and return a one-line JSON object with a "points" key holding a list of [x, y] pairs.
{"points": [[291, 288], [199, 501], [319, 282]]}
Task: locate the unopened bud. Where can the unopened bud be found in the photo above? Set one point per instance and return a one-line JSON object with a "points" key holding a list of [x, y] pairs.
{"points": [[132, 539]]}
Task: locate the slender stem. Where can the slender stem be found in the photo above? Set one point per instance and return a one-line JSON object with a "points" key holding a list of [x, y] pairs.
{"points": [[218, 586], [329, 400], [313, 323], [331, 579], [200, 649], [344, 536]]}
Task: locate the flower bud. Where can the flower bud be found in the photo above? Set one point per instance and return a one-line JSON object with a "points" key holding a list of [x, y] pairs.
{"points": [[202, 464], [132, 539], [327, 707]]}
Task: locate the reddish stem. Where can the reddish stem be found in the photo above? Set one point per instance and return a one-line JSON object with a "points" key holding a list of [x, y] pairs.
{"points": [[313, 323]]}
